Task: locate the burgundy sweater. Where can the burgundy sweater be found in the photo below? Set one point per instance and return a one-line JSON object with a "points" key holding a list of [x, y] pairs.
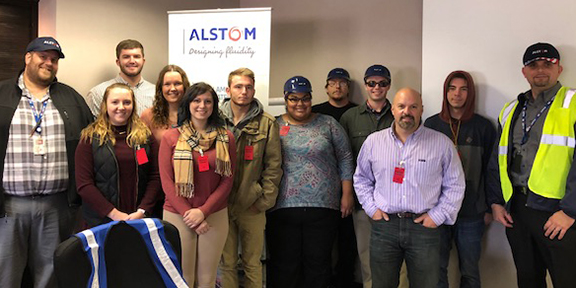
{"points": [[92, 196], [210, 189]]}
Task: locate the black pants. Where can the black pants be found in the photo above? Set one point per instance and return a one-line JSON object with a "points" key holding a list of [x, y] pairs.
{"points": [[534, 253], [300, 244], [347, 253]]}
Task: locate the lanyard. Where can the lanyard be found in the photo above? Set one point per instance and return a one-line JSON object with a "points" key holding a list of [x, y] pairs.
{"points": [[38, 116], [455, 133], [525, 129]]}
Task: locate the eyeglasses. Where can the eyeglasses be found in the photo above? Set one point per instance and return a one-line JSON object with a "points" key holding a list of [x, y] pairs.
{"points": [[334, 83], [373, 84], [295, 100]]}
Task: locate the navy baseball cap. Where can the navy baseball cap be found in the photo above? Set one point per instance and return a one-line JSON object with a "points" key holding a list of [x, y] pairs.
{"points": [[338, 73], [297, 84], [44, 44], [541, 51], [377, 70]]}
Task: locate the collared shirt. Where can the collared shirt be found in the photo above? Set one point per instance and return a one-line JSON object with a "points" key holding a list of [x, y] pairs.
{"points": [[529, 149], [144, 92], [433, 180], [359, 122], [27, 174]]}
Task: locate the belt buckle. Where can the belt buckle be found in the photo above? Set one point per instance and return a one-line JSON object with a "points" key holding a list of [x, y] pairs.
{"points": [[402, 215]]}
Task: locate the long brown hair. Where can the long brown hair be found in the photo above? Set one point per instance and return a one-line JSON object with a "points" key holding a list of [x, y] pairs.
{"points": [[137, 131], [470, 103], [160, 107]]}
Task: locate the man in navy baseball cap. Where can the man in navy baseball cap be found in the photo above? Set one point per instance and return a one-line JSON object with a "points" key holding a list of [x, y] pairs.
{"points": [[337, 89], [359, 122], [41, 121], [41, 44]]}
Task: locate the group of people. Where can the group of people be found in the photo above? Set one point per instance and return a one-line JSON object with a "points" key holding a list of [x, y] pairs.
{"points": [[374, 178]]}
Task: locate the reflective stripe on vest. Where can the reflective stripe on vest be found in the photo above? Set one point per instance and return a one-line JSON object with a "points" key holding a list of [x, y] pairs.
{"points": [[504, 120], [152, 232], [555, 152]]}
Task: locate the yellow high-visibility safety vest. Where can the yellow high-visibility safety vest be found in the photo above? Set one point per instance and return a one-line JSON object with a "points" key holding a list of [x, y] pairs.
{"points": [[555, 152]]}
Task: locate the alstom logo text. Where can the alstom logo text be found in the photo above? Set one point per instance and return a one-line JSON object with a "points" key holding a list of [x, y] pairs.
{"points": [[214, 34]]}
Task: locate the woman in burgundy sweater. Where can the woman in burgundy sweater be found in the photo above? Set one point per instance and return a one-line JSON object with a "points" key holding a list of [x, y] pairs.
{"points": [[196, 161], [116, 167]]}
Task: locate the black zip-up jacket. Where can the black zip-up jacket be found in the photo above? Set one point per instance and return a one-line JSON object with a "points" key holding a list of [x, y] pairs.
{"points": [[106, 178], [475, 143], [74, 112]]}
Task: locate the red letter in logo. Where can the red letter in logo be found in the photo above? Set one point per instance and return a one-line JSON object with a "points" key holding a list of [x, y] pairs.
{"points": [[237, 33]]}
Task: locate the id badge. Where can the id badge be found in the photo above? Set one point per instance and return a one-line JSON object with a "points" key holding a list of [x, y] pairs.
{"points": [[141, 156], [249, 152], [203, 163], [284, 130], [398, 175], [39, 145]]}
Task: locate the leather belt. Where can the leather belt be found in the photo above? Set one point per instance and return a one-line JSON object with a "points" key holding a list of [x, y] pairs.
{"points": [[407, 215]]}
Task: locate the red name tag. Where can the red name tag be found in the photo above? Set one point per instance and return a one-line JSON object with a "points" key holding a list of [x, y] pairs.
{"points": [[249, 152], [398, 175], [203, 163], [284, 130], [141, 156]]}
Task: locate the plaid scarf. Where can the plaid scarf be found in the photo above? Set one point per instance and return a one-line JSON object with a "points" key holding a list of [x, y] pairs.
{"points": [[189, 140]]}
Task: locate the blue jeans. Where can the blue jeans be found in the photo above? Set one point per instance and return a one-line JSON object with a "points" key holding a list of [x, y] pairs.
{"points": [[467, 235], [394, 241]]}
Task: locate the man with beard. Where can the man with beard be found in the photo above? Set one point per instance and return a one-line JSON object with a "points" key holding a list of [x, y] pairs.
{"points": [[473, 136], [409, 180], [532, 174], [40, 124], [359, 122], [337, 88], [337, 85], [256, 179], [130, 59]]}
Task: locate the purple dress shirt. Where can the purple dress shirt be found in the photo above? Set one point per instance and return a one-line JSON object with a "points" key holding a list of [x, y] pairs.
{"points": [[433, 179]]}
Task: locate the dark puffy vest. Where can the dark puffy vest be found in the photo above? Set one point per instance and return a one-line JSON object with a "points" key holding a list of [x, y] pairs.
{"points": [[107, 181]]}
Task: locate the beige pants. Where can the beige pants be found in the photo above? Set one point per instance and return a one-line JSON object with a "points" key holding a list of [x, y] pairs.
{"points": [[201, 253], [363, 229]]}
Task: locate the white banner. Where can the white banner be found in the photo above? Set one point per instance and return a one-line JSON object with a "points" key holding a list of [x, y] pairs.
{"points": [[209, 44]]}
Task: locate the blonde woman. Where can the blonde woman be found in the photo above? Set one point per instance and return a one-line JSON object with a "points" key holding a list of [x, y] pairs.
{"points": [[116, 167], [196, 162]]}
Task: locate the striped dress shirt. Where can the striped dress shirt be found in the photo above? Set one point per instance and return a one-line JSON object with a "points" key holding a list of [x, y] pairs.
{"points": [[433, 179], [143, 91]]}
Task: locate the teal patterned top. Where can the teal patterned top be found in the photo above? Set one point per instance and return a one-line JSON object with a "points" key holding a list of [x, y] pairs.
{"points": [[316, 157]]}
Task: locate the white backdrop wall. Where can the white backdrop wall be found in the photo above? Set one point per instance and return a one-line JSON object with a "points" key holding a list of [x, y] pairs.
{"points": [[488, 38], [310, 38]]}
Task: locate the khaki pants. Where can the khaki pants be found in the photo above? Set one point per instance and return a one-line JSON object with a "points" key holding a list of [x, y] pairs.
{"points": [[248, 229], [201, 253]]}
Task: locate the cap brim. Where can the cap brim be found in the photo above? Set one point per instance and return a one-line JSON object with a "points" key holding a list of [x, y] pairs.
{"points": [[553, 60]]}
